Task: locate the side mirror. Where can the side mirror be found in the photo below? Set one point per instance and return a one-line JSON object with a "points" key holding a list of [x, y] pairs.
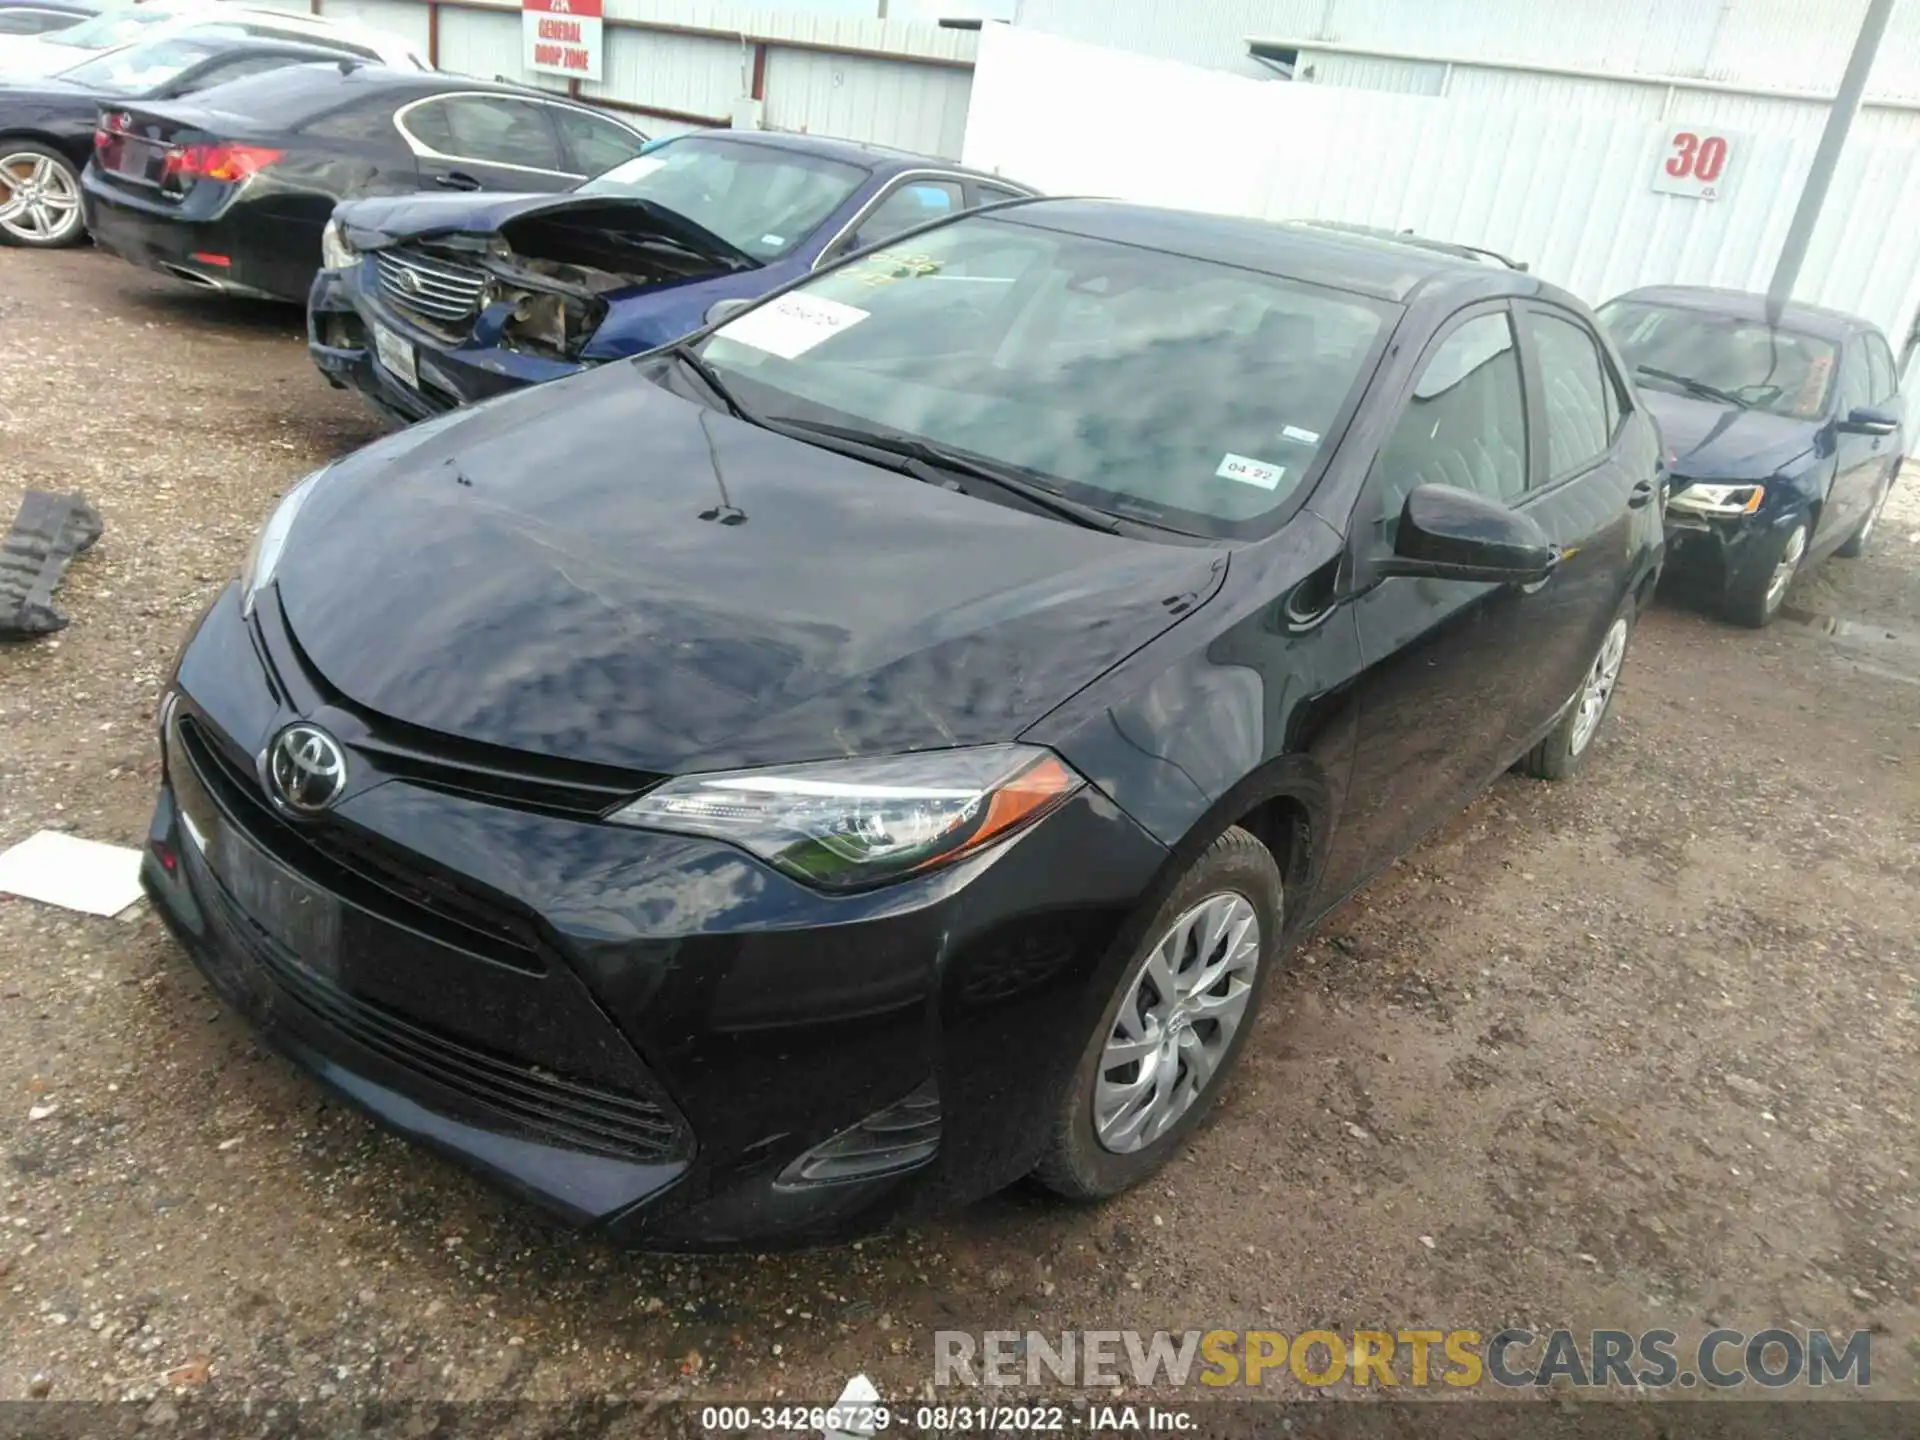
{"points": [[722, 309], [1870, 420], [1446, 533]]}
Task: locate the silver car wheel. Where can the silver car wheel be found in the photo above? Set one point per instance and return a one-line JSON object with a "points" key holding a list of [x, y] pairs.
{"points": [[1598, 689], [1791, 555], [39, 201], [1183, 1006]]}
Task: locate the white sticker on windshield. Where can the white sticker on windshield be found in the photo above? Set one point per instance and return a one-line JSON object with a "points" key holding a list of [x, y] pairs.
{"points": [[1305, 437], [1251, 472], [773, 239], [793, 324]]}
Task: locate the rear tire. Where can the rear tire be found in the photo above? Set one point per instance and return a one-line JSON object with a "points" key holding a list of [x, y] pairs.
{"points": [[1567, 746], [1754, 600], [1856, 545], [39, 197], [1102, 1145]]}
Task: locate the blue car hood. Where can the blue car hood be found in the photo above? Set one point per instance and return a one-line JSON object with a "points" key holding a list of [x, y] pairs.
{"points": [[390, 219], [1713, 441]]}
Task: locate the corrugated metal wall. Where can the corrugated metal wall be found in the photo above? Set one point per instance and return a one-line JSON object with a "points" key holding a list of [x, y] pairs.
{"points": [[1791, 44], [890, 82], [1568, 191]]}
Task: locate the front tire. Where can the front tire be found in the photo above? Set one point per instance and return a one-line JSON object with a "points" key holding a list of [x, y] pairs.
{"points": [[1755, 598], [39, 197], [1566, 747], [1174, 1027]]}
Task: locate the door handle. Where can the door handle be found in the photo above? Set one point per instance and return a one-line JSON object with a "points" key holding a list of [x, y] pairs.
{"points": [[456, 180], [1641, 494]]}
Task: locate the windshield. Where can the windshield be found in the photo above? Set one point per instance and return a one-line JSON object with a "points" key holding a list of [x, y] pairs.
{"points": [[136, 68], [756, 198], [1186, 393], [114, 27], [1779, 371]]}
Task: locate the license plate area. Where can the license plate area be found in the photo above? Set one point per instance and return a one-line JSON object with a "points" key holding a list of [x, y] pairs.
{"points": [[128, 157], [297, 915], [396, 355]]}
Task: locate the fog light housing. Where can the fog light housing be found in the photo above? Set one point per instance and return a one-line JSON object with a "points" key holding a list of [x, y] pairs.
{"points": [[901, 1137]]}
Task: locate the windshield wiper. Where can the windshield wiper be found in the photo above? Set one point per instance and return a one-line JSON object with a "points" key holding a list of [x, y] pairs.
{"points": [[1693, 386], [710, 378], [922, 455]]}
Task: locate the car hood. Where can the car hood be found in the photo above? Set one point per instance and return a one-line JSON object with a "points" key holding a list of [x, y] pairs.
{"points": [[385, 220], [1711, 441], [601, 571]]}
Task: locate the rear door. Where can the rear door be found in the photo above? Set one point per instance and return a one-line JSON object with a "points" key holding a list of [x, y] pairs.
{"points": [[1597, 482], [480, 141]]}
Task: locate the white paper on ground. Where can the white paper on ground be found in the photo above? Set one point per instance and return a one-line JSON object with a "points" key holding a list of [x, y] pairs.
{"points": [[76, 874], [855, 1405]]}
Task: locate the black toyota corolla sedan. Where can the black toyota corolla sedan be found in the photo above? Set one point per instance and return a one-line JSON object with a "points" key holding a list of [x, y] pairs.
{"points": [[1785, 437], [881, 747]]}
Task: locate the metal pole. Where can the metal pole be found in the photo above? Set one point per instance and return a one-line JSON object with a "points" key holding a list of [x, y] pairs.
{"points": [[1839, 119]]}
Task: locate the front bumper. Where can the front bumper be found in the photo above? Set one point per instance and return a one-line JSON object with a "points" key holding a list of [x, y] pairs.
{"points": [[1722, 551], [342, 308], [639, 1032]]}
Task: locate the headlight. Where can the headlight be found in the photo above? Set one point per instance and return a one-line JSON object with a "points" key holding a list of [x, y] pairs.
{"points": [[845, 824], [271, 540], [1742, 499], [336, 251]]}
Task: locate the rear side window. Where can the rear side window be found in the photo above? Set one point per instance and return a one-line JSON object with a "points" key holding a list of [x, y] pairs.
{"points": [[912, 204], [595, 144], [1880, 367], [1574, 388], [492, 130], [1465, 423]]}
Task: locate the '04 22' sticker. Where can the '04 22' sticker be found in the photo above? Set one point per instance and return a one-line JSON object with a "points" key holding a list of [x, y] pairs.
{"points": [[1249, 471], [793, 324]]}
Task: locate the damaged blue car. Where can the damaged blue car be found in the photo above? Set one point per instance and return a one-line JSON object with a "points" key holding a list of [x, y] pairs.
{"points": [[428, 302]]}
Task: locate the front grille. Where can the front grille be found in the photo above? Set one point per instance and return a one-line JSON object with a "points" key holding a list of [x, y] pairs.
{"points": [[446, 293], [362, 870], [534, 1102]]}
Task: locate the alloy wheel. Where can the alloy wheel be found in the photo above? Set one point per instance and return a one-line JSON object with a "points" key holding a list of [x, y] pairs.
{"points": [[1598, 689], [1183, 1007], [1790, 556], [39, 202]]}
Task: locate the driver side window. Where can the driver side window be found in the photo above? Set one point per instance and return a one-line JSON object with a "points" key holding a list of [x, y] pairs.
{"points": [[1856, 380], [1465, 422]]}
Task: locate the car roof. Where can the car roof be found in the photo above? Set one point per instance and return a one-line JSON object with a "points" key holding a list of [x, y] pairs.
{"points": [[1319, 255], [1815, 320], [299, 93], [853, 152], [1478, 254]]}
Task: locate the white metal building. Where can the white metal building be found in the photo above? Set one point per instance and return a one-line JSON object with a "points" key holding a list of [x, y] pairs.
{"points": [[1755, 64]]}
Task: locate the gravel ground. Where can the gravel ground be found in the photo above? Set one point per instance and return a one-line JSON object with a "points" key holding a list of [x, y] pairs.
{"points": [[1635, 1051]]}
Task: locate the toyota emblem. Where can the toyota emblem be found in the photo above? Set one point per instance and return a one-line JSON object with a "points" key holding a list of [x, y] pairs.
{"points": [[307, 769]]}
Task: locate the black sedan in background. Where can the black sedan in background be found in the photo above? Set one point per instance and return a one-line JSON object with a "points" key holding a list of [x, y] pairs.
{"points": [[41, 17], [47, 125], [1784, 439], [231, 189], [882, 746]]}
